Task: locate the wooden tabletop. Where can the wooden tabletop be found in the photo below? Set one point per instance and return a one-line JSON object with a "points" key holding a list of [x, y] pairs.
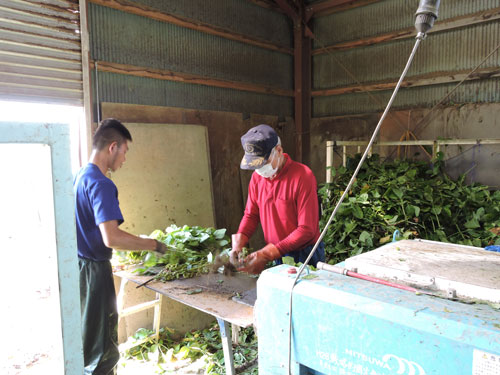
{"points": [[211, 293]]}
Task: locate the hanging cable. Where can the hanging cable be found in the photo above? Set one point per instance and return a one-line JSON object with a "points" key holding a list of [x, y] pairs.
{"points": [[427, 13], [358, 82], [348, 188]]}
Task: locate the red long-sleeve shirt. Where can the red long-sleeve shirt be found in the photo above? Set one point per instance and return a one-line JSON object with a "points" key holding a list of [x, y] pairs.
{"points": [[287, 207]]}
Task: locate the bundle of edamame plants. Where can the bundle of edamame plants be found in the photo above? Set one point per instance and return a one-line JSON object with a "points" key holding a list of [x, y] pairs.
{"points": [[191, 251], [415, 198]]}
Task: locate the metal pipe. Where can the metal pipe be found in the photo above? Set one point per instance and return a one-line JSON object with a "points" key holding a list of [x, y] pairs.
{"points": [[346, 272], [419, 38], [442, 142], [426, 15]]}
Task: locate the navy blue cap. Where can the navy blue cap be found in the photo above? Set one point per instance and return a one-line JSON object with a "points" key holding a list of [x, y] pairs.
{"points": [[258, 143]]}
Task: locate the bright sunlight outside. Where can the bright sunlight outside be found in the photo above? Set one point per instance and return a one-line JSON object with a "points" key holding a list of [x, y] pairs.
{"points": [[31, 326]]}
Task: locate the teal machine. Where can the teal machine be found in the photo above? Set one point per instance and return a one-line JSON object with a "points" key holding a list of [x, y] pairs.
{"points": [[408, 308], [346, 326]]}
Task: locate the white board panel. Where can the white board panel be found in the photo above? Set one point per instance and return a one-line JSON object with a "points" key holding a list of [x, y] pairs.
{"points": [[166, 178]]}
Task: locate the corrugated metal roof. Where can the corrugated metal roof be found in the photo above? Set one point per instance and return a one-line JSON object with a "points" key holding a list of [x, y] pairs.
{"points": [[386, 16], [40, 57], [485, 91], [136, 90], [454, 50], [238, 15], [129, 39]]}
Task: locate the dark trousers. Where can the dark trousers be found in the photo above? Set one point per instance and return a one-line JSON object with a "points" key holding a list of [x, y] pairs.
{"points": [[99, 317], [301, 255]]}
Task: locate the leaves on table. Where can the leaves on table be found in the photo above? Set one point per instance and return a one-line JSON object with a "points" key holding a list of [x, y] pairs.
{"points": [[190, 252], [194, 291]]}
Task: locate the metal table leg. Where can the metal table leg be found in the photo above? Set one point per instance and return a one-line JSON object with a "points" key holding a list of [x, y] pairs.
{"points": [[226, 346], [235, 333]]}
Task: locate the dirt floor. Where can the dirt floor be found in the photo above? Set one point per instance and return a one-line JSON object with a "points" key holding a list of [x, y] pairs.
{"points": [[133, 367]]}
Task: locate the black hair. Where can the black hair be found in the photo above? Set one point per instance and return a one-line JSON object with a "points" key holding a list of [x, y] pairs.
{"points": [[109, 131]]}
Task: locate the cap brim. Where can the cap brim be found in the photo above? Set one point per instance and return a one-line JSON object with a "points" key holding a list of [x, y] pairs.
{"points": [[252, 162]]}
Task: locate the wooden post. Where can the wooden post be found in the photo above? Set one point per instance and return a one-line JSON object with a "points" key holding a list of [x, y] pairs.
{"points": [[329, 161], [302, 74], [86, 136]]}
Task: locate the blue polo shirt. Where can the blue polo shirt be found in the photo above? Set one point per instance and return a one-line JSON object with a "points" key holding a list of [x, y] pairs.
{"points": [[96, 201]]}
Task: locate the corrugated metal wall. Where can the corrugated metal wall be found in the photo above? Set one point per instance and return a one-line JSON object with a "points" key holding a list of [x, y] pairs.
{"points": [[124, 38], [453, 50], [40, 57]]}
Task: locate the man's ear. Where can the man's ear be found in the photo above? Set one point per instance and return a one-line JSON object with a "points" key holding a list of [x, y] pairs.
{"points": [[112, 146]]}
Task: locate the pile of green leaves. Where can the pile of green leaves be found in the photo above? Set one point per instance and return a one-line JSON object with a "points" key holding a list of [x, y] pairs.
{"points": [[191, 251], [415, 198], [196, 344]]}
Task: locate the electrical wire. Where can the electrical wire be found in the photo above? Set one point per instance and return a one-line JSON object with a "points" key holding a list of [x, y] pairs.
{"points": [[353, 77], [420, 37]]}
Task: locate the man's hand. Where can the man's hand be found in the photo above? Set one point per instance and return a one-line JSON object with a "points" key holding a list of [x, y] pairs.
{"points": [[255, 262], [161, 248], [238, 241]]}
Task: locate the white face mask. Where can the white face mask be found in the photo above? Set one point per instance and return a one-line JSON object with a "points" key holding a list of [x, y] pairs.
{"points": [[267, 170]]}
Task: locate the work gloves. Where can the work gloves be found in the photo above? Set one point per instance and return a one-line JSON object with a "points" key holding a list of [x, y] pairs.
{"points": [[161, 248], [238, 241], [255, 262]]}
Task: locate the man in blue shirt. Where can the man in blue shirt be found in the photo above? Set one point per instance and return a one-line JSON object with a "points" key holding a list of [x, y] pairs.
{"points": [[98, 217]]}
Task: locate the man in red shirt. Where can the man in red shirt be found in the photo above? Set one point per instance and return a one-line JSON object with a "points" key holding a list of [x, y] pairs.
{"points": [[282, 196]]}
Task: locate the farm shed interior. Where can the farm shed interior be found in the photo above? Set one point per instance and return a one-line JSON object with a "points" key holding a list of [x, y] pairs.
{"points": [[316, 71]]}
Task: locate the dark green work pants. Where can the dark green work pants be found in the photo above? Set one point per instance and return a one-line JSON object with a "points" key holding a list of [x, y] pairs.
{"points": [[99, 317]]}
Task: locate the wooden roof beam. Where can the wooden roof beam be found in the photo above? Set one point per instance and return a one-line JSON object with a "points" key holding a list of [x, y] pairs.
{"points": [[169, 75], [333, 6], [437, 78], [295, 15], [289, 10], [268, 4]]}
